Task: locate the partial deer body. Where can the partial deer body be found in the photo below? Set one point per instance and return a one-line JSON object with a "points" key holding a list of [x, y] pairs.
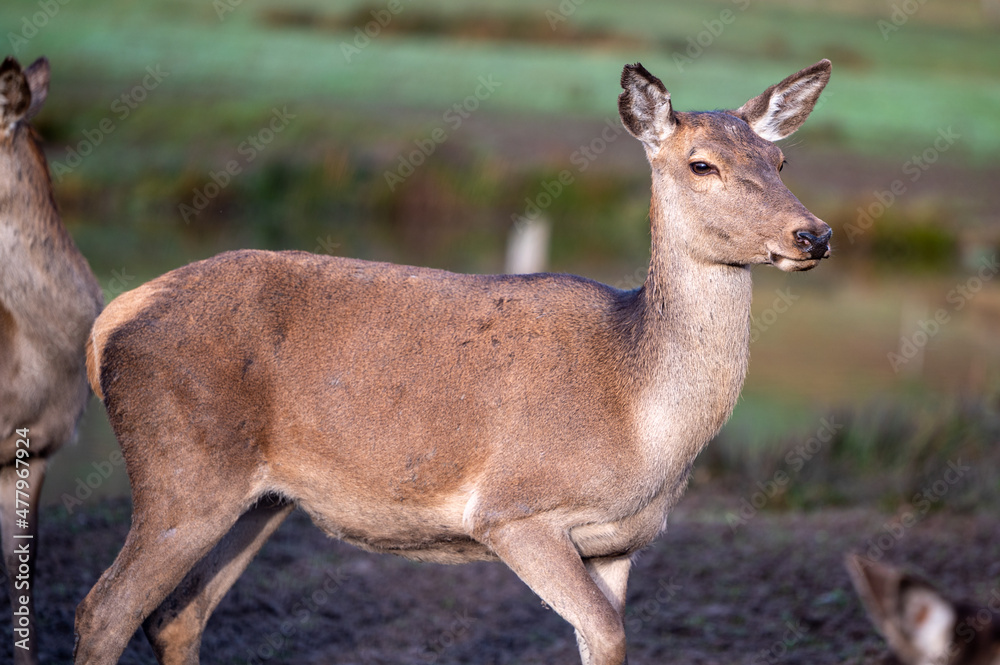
{"points": [[48, 301], [547, 421], [921, 625]]}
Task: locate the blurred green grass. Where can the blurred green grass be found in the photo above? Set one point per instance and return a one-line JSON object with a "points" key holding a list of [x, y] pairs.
{"points": [[885, 92], [891, 453], [320, 185]]}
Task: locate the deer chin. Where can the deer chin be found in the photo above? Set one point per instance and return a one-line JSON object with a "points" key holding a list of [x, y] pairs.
{"points": [[788, 264]]}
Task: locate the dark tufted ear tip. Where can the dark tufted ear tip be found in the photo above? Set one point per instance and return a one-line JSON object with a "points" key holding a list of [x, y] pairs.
{"points": [[822, 69], [9, 63], [628, 72], [41, 65], [15, 95], [644, 106], [636, 73]]}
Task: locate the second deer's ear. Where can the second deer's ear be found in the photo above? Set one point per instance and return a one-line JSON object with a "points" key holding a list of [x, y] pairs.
{"points": [[37, 75], [878, 587], [15, 96], [644, 107], [928, 620], [782, 108], [914, 618]]}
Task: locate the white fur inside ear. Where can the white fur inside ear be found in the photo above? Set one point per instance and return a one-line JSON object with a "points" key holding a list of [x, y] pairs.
{"points": [[783, 107], [930, 621], [645, 108], [656, 116]]}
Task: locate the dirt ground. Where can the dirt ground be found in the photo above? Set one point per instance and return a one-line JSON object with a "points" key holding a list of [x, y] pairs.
{"points": [[770, 591]]}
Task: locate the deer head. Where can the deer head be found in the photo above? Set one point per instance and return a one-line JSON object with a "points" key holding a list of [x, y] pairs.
{"points": [[720, 171]]}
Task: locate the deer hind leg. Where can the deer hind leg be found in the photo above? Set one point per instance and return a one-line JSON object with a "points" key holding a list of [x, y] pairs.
{"points": [[174, 629], [13, 548], [545, 558], [169, 536]]}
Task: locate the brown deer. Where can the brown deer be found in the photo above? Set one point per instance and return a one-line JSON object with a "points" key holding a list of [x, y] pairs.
{"points": [[921, 625], [48, 301], [547, 421]]}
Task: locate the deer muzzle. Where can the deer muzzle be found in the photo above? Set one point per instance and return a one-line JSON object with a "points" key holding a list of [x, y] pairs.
{"points": [[816, 246], [804, 249]]}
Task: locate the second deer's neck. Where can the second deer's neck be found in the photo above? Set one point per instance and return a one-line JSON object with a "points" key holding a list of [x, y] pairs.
{"points": [[38, 258]]}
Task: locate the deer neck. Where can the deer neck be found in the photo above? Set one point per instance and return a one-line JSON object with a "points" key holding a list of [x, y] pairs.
{"points": [[38, 258], [692, 343]]}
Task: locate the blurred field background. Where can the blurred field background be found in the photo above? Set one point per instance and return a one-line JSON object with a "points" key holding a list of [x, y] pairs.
{"points": [[151, 101]]}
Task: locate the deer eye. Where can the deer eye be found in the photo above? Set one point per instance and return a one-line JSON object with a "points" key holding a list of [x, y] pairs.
{"points": [[782, 165], [702, 168]]}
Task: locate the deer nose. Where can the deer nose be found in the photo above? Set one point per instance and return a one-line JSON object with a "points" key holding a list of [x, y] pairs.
{"points": [[816, 246]]}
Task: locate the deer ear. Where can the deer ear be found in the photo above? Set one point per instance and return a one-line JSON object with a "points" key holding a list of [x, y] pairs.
{"points": [[782, 108], [928, 621], [916, 621], [15, 96], [645, 107], [37, 76], [877, 586]]}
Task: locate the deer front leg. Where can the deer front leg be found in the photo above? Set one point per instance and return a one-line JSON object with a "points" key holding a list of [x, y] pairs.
{"points": [[610, 574], [544, 557], [19, 570]]}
